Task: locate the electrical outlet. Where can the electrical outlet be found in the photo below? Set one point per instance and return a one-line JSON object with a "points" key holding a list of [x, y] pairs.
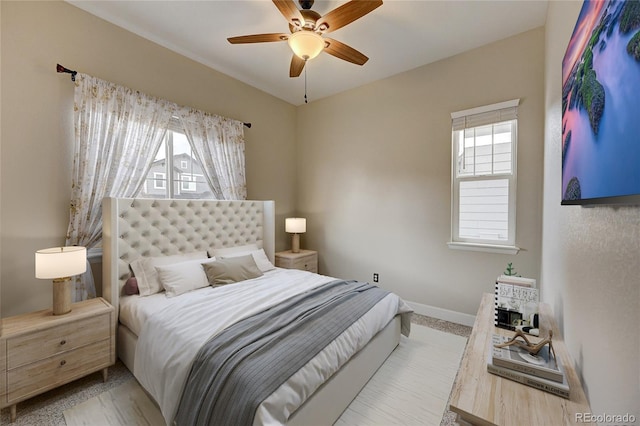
{"points": [[375, 277]]}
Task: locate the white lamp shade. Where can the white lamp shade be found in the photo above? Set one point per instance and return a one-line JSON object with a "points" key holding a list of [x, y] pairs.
{"points": [[60, 262], [306, 44], [295, 225]]}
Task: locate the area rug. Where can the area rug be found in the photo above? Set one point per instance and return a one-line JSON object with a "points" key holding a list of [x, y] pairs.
{"points": [[412, 387]]}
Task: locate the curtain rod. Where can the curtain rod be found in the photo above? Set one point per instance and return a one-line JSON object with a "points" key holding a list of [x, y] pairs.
{"points": [[60, 68]]}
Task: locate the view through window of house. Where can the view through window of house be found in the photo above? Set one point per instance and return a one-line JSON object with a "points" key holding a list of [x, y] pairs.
{"points": [[175, 172]]}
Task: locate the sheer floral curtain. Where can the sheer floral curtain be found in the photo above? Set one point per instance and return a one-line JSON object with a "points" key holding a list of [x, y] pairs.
{"points": [[218, 143], [117, 133]]}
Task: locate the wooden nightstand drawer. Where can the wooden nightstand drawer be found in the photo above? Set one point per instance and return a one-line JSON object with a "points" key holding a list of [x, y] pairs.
{"points": [[307, 263], [49, 373], [306, 260], [42, 344]]}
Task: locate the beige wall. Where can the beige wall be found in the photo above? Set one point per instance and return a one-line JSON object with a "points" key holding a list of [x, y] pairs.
{"points": [[37, 127], [590, 259], [374, 174]]}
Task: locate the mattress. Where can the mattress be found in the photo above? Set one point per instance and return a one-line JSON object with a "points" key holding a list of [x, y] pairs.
{"points": [[136, 310]]}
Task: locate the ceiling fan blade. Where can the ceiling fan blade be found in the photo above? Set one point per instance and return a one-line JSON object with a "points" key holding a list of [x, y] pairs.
{"points": [[297, 65], [346, 14], [290, 11], [342, 51], [258, 38]]}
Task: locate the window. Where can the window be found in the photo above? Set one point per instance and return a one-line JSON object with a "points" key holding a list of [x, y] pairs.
{"points": [[159, 180], [483, 199], [188, 183], [176, 163]]}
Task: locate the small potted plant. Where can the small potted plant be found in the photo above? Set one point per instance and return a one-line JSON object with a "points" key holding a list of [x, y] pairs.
{"points": [[511, 271]]}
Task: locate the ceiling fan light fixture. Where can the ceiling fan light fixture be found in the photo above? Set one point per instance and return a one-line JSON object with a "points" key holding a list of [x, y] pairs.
{"points": [[306, 44]]}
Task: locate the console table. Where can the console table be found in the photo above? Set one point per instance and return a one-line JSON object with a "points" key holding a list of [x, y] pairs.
{"points": [[481, 398]]}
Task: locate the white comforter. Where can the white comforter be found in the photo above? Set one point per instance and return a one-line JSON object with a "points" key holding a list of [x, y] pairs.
{"points": [[171, 338]]}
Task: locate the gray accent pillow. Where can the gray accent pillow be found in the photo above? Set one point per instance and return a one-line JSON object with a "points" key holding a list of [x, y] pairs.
{"points": [[231, 270]]}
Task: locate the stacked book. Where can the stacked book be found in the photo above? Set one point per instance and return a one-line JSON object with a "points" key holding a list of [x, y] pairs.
{"points": [[516, 301], [540, 371]]}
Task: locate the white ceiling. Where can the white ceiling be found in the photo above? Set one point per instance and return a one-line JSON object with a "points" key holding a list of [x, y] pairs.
{"points": [[398, 36]]}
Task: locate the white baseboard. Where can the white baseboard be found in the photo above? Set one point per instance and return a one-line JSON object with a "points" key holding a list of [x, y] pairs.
{"points": [[443, 314]]}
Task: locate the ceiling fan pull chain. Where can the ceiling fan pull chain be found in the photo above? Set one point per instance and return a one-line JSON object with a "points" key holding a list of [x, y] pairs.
{"points": [[305, 85]]}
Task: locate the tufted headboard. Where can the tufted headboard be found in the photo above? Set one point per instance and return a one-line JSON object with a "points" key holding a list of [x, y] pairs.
{"points": [[135, 227]]}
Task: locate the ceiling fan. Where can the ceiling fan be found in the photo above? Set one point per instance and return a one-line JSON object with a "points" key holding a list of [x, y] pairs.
{"points": [[307, 28]]}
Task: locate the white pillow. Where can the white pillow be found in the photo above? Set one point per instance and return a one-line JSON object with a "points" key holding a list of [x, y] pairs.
{"points": [[182, 277], [259, 256], [144, 269], [233, 251], [263, 262]]}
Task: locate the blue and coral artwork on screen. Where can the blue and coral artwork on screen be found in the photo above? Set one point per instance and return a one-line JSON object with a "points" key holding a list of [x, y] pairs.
{"points": [[601, 104]]}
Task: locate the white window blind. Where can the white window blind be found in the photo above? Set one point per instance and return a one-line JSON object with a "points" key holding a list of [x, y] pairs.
{"points": [[460, 121], [484, 174]]}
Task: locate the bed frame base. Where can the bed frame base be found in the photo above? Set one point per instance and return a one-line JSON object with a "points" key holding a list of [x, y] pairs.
{"points": [[126, 343], [327, 404]]}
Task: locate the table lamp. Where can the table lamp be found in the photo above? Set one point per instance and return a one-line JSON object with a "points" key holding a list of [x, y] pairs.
{"points": [[295, 226], [59, 264]]}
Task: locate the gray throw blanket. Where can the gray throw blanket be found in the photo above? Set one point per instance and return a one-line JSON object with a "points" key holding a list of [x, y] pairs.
{"points": [[240, 367]]}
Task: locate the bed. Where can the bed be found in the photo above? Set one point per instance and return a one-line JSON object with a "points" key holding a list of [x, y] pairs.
{"points": [[147, 228]]}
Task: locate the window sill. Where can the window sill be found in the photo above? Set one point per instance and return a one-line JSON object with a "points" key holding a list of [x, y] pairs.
{"points": [[487, 248]]}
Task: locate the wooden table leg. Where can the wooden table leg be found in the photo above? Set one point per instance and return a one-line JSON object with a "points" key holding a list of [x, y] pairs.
{"points": [[13, 413], [105, 373]]}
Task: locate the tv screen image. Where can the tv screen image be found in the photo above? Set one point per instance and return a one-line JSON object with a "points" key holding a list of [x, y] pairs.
{"points": [[601, 105]]}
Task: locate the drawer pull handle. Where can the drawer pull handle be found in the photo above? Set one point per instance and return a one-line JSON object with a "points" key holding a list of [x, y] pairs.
{"points": [[63, 362], [63, 342]]}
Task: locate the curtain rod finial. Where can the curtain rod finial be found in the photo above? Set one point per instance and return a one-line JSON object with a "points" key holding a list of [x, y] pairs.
{"points": [[60, 68]]}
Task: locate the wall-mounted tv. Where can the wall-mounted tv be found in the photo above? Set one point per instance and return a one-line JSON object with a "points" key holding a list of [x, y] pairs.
{"points": [[601, 105]]}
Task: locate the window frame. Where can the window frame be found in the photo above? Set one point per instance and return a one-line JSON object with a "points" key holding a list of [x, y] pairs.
{"points": [[476, 244], [190, 180], [159, 180]]}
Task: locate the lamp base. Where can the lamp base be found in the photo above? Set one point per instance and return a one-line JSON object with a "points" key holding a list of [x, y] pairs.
{"points": [[61, 296], [295, 243]]}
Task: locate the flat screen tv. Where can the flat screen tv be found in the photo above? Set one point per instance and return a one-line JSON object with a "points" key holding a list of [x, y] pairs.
{"points": [[601, 106]]}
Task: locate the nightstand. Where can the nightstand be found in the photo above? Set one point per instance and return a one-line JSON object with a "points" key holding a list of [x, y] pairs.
{"points": [[40, 351], [306, 260]]}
